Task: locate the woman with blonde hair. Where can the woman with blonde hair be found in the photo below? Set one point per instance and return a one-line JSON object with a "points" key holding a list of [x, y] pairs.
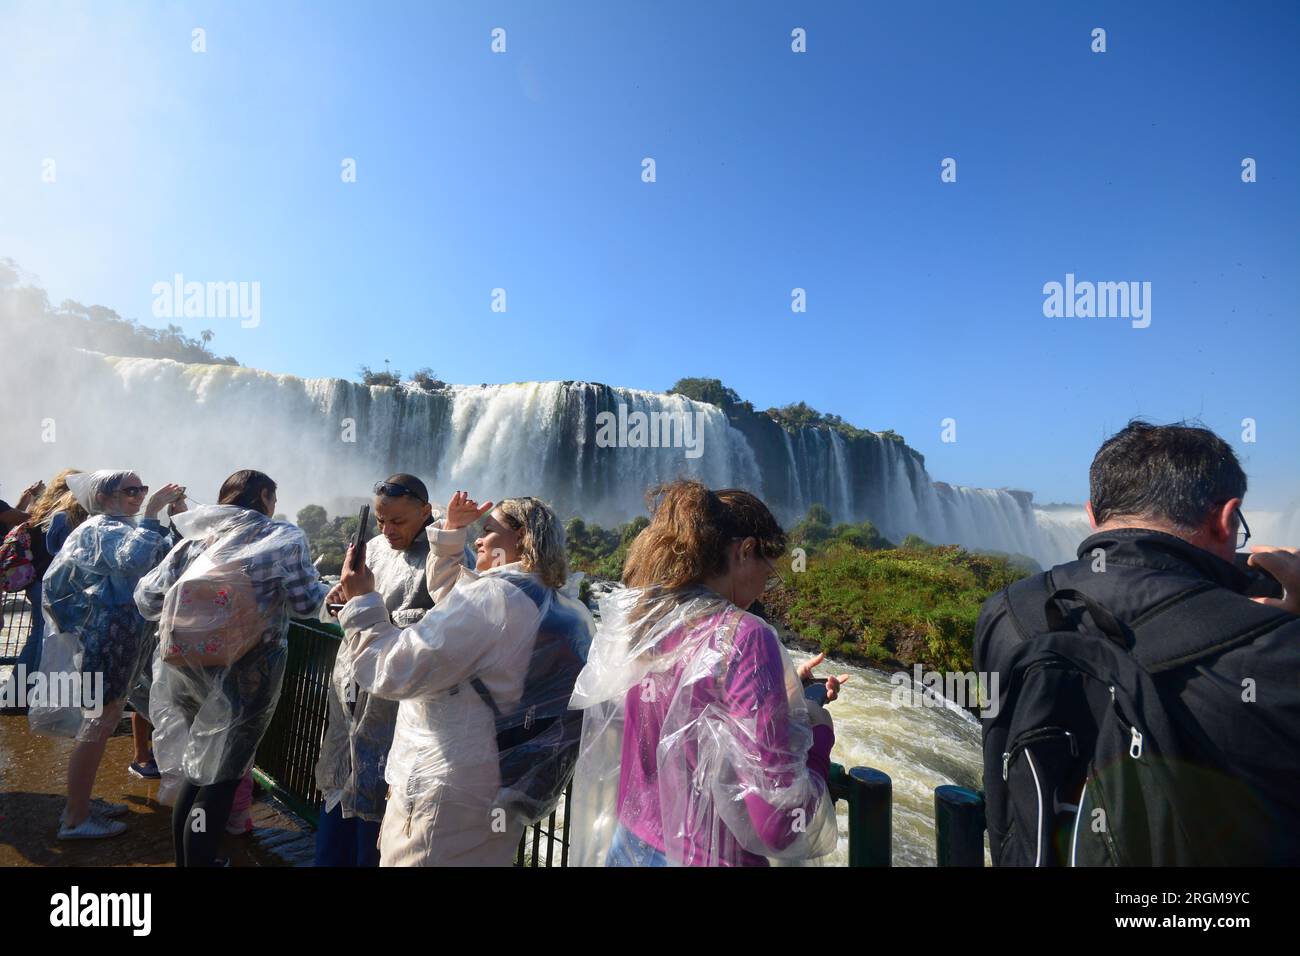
{"points": [[52, 500], [699, 746], [484, 743], [89, 605]]}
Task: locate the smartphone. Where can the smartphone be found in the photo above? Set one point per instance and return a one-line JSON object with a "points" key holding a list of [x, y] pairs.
{"points": [[359, 539], [816, 691], [335, 608], [1262, 584]]}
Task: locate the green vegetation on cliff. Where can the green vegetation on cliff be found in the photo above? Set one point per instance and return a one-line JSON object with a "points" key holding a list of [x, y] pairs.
{"points": [[903, 605], [790, 417], [96, 327], [327, 539], [599, 552]]}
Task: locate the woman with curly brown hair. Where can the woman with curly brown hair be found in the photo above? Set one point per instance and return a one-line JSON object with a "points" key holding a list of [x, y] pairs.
{"points": [[699, 747]]}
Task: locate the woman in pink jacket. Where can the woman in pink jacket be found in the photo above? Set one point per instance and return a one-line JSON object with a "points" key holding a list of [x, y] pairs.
{"points": [[699, 746]]}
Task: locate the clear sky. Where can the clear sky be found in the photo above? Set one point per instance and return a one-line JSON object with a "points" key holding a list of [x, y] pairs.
{"points": [[523, 171]]}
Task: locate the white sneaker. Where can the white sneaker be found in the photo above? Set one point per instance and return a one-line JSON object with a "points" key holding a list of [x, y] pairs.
{"points": [[92, 828]]}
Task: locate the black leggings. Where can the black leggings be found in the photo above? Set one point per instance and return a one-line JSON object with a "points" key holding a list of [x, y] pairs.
{"points": [[196, 844]]}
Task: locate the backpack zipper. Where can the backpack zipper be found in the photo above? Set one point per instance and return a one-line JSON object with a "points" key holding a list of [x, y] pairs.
{"points": [[1033, 737], [1135, 735]]}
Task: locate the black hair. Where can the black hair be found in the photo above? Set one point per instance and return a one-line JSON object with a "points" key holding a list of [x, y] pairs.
{"points": [[244, 488], [1178, 473], [410, 483]]}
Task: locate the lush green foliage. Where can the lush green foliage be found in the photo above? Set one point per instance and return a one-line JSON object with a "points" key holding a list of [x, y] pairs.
{"points": [[328, 539], [709, 390], [597, 551], [803, 415], [390, 377], [906, 605], [96, 327], [815, 532]]}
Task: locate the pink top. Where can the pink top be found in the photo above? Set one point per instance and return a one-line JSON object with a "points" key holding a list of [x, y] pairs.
{"points": [[754, 691]]}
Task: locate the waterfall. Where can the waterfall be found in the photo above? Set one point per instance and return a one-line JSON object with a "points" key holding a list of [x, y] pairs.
{"points": [[326, 441]]}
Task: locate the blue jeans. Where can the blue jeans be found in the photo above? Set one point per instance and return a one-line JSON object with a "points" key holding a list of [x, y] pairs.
{"points": [[31, 652], [628, 849], [350, 842]]}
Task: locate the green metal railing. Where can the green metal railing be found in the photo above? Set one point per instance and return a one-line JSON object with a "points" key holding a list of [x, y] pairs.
{"points": [[17, 626], [286, 762], [286, 758]]}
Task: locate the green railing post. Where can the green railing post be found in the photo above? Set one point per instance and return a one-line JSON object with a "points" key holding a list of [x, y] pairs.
{"points": [[959, 826], [871, 811]]}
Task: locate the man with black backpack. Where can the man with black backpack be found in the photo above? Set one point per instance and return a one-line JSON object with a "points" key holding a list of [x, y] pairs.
{"points": [[1149, 709]]}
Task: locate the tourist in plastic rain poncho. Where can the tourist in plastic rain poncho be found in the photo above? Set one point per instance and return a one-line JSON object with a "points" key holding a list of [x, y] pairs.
{"points": [[222, 598], [699, 747], [485, 741], [359, 734], [92, 626]]}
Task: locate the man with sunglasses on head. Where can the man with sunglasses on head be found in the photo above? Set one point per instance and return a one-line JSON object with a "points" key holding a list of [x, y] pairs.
{"points": [[350, 771], [1148, 694]]}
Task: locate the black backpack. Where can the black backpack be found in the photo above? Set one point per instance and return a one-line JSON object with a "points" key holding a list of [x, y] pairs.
{"points": [[538, 738], [1098, 768]]}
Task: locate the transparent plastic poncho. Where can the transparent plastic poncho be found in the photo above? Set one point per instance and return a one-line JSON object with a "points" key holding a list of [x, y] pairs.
{"points": [[695, 738], [484, 738], [211, 700], [94, 636], [359, 726]]}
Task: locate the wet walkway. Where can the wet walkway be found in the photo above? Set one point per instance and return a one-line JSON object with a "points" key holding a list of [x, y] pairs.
{"points": [[33, 776]]}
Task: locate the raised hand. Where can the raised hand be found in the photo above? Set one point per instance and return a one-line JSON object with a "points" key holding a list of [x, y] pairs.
{"points": [[166, 495], [463, 511], [833, 683]]}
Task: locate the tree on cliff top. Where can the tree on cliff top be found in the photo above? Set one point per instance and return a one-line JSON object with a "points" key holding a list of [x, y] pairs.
{"points": [[709, 390]]}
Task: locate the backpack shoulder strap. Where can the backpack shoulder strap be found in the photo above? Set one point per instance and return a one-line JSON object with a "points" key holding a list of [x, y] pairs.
{"points": [[1199, 623], [1027, 606], [481, 689], [528, 586]]}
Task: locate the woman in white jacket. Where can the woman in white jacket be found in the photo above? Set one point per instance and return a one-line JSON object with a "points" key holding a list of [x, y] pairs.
{"points": [[465, 659]]}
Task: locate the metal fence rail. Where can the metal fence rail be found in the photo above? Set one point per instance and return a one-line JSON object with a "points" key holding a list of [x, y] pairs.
{"points": [[17, 625], [286, 759], [286, 763]]}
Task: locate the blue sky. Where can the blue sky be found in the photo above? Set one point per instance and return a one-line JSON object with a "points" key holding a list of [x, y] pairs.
{"points": [[775, 170]]}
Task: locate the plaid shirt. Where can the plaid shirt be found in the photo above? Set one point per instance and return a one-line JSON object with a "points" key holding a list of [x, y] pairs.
{"points": [[279, 576]]}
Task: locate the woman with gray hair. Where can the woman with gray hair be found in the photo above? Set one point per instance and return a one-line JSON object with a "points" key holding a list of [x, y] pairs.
{"points": [[484, 742], [89, 607]]}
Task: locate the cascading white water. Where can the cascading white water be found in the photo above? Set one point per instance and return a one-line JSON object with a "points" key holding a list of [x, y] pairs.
{"points": [[327, 441]]}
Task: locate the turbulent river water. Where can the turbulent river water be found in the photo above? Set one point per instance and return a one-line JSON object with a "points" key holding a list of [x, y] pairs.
{"points": [[919, 747]]}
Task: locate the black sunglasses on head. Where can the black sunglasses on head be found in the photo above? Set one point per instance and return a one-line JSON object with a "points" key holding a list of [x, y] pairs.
{"points": [[390, 489]]}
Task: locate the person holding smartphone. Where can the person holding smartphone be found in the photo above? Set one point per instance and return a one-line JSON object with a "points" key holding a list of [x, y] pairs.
{"points": [[468, 657], [700, 744], [359, 733]]}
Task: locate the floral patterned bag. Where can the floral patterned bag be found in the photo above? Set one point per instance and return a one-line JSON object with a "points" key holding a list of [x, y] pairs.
{"points": [[17, 572], [210, 617]]}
